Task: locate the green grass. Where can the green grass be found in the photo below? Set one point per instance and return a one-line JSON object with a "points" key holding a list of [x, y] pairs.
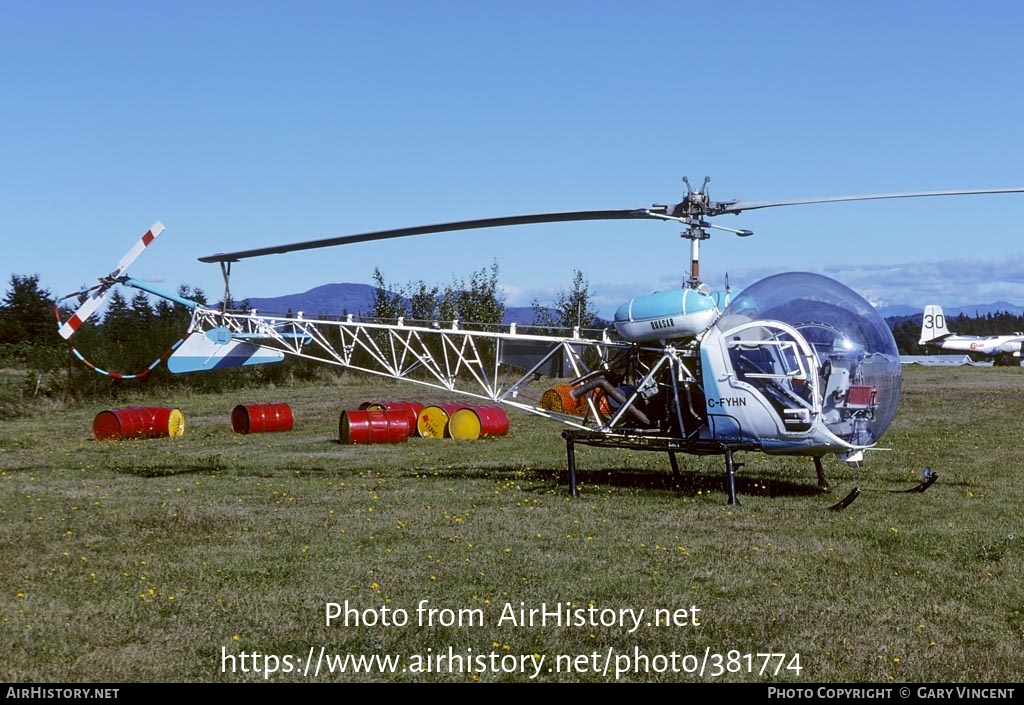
{"points": [[148, 560]]}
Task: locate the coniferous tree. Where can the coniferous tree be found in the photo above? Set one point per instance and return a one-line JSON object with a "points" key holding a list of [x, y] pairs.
{"points": [[28, 334], [142, 310], [26, 314], [117, 319]]}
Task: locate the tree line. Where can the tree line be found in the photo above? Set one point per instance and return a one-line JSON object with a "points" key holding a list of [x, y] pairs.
{"points": [[478, 300]]}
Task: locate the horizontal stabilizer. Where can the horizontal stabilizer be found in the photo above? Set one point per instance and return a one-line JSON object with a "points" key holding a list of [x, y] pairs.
{"points": [[214, 351]]}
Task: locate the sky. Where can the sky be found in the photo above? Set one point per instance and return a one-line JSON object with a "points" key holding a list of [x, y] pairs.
{"points": [[250, 124]]}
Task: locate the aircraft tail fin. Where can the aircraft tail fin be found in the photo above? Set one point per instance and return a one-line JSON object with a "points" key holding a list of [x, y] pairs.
{"points": [[933, 325]]}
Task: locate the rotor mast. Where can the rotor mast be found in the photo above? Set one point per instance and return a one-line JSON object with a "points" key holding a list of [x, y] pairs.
{"points": [[691, 211], [225, 270], [696, 230]]}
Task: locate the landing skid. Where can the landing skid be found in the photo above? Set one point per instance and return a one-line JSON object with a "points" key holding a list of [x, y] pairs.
{"points": [[846, 501], [930, 476]]}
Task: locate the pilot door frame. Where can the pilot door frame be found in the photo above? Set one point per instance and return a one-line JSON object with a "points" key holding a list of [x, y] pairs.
{"points": [[777, 372]]}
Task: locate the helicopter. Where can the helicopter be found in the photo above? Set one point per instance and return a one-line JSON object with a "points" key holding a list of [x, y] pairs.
{"points": [[796, 364]]}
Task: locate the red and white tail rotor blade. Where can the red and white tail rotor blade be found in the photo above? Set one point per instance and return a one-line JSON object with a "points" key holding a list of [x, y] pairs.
{"points": [[87, 308], [143, 242], [99, 293]]}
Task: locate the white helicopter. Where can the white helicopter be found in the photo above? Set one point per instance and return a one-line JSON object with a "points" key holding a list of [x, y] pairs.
{"points": [[1001, 349], [797, 364]]}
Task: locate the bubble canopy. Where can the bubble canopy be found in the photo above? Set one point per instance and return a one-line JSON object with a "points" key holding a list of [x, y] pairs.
{"points": [[845, 332]]}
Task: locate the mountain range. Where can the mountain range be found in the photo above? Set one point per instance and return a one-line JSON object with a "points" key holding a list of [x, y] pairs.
{"points": [[341, 299], [971, 311]]}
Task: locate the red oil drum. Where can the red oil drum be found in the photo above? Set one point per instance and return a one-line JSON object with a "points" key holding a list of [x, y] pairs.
{"points": [[262, 418], [366, 426], [138, 422], [412, 410], [474, 422], [433, 420]]}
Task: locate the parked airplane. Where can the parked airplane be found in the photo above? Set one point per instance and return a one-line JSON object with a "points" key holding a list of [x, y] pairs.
{"points": [[1001, 349]]}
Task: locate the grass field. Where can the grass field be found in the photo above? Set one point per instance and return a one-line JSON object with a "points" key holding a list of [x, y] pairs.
{"points": [[217, 556]]}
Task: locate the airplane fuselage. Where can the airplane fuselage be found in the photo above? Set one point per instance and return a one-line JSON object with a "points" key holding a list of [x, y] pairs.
{"points": [[989, 346]]}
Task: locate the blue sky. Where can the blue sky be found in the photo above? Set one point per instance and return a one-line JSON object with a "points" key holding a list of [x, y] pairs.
{"points": [[250, 124]]}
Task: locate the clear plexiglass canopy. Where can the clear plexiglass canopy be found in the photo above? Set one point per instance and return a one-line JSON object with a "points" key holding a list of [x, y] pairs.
{"points": [[852, 342]]}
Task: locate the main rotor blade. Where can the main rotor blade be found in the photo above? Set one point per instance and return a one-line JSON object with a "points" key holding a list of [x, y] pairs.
{"points": [[738, 206], [686, 211], [426, 229]]}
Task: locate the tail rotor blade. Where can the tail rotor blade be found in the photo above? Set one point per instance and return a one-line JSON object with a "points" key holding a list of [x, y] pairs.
{"points": [[99, 293], [87, 308], [137, 249]]}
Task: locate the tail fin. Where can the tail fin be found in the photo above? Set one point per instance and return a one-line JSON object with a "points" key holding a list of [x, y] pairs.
{"points": [[933, 325]]}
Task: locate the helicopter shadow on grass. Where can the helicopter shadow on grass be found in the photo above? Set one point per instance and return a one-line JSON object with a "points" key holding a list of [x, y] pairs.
{"points": [[689, 483], [167, 470]]}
